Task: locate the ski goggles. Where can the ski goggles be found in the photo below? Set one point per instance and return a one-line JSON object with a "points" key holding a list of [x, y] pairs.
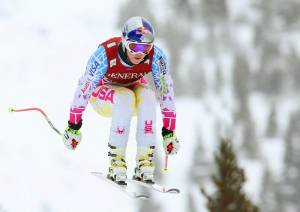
{"points": [[139, 47]]}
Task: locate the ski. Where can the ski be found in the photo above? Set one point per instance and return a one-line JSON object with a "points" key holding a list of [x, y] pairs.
{"points": [[155, 187], [122, 188]]}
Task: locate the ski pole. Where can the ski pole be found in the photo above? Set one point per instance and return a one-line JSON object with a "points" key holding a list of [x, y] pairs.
{"points": [[165, 169], [39, 110]]}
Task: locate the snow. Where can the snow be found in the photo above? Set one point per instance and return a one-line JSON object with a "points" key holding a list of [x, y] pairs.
{"points": [[254, 176], [285, 109], [244, 35], [273, 151], [243, 8], [260, 109], [44, 48]]}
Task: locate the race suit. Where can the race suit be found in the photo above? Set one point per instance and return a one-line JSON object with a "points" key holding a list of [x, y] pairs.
{"points": [[106, 68]]}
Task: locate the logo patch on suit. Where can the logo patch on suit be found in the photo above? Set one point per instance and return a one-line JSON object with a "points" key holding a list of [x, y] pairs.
{"points": [[111, 44], [113, 62], [162, 66]]}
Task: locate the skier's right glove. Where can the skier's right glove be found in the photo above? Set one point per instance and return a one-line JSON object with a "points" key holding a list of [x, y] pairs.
{"points": [[170, 141], [72, 135]]}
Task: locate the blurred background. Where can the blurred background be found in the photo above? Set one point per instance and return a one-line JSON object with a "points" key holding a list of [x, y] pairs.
{"points": [[235, 69]]}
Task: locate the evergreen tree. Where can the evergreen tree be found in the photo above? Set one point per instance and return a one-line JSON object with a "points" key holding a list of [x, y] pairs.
{"points": [[290, 188], [272, 124], [229, 182]]}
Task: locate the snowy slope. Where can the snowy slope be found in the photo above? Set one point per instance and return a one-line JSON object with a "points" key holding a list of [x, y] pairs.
{"points": [[44, 49]]}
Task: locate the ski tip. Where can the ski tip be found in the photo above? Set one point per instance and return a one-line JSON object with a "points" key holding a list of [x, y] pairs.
{"points": [[96, 173], [142, 196], [173, 191]]}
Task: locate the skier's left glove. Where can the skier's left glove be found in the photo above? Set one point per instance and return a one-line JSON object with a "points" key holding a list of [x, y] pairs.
{"points": [[72, 135], [170, 141]]}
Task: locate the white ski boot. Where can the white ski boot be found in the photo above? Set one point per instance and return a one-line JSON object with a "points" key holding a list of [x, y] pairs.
{"points": [[144, 170], [117, 165]]}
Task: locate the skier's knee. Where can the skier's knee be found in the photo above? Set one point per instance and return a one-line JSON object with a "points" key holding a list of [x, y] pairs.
{"points": [[145, 96]]}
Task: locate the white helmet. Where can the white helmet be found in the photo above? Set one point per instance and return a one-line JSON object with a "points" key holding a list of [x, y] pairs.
{"points": [[138, 29]]}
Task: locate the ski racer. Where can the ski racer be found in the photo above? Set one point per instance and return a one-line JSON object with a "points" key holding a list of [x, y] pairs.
{"points": [[114, 83]]}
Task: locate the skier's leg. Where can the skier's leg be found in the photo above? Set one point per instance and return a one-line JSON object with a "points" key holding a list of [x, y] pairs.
{"points": [[146, 133], [119, 103]]}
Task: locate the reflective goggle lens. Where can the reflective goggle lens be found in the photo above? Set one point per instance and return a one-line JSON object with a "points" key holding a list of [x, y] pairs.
{"points": [[140, 47]]}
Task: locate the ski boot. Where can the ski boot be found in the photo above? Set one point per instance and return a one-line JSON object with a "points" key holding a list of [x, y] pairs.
{"points": [[117, 165], [144, 170]]}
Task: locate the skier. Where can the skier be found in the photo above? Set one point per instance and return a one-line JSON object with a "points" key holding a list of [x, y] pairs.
{"points": [[115, 86]]}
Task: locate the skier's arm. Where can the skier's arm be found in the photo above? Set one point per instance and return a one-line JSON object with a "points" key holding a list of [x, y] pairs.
{"points": [[164, 87], [95, 70]]}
